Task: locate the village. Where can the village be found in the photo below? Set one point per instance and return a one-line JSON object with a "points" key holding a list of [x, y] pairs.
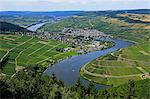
{"points": [[81, 40]]}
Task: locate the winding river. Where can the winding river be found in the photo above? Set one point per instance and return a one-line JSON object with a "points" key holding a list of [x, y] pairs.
{"points": [[35, 27], [69, 70]]}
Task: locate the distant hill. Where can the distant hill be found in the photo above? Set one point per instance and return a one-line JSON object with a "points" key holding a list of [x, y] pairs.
{"points": [[27, 18], [70, 13], [114, 12], [29, 13], [4, 26]]}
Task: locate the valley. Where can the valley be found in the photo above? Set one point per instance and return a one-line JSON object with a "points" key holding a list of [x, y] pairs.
{"points": [[91, 55]]}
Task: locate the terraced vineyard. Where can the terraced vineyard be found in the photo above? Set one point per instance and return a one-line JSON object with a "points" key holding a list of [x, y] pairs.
{"points": [[117, 68], [20, 51], [127, 64]]}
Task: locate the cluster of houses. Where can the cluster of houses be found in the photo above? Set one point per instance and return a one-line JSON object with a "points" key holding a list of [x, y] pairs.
{"points": [[84, 38], [87, 33]]}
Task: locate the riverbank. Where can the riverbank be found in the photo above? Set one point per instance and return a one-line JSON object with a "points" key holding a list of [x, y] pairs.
{"points": [[72, 66], [120, 67]]}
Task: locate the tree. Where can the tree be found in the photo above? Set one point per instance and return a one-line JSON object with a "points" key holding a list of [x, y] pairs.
{"points": [[58, 95], [78, 83], [53, 76], [131, 89], [4, 62], [91, 89]]}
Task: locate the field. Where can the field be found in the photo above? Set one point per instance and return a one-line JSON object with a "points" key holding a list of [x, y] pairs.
{"points": [[141, 17], [20, 51], [73, 22]]}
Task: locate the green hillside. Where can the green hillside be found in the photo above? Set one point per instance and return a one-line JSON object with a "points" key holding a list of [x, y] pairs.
{"points": [[20, 51], [131, 63], [8, 27]]}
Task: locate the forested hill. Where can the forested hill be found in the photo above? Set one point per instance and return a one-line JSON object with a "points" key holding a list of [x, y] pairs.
{"points": [[31, 14], [114, 12], [8, 27]]}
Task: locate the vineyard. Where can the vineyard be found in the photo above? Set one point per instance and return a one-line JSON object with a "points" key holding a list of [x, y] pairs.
{"points": [[20, 51]]}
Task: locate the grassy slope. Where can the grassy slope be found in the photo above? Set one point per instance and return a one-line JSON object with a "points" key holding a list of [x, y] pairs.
{"points": [[138, 54], [23, 51], [73, 22]]}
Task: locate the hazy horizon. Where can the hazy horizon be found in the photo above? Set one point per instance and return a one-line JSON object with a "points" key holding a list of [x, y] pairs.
{"points": [[69, 10], [72, 5]]}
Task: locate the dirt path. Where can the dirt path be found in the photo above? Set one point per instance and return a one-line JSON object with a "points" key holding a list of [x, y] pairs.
{"points": [[142, 70], [91, 23], [22, 51], [46, 52], [129, 60], [109, 76], [12, 49], [114, 66]]}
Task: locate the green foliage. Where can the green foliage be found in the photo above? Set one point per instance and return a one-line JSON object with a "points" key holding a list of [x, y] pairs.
{"points": [[9, 68], [2, 53], [131, 90], [72, 22], [31, 83]]}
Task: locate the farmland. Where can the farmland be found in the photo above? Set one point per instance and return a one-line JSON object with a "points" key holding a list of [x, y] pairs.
{"points": [[139, 17], [20, 51]]}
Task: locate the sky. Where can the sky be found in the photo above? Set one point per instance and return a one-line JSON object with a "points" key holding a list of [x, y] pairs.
{"points": [[68, 5]]}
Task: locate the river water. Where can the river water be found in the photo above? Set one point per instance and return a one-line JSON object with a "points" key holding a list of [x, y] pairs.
{"points": [[69, 70], [35, 27]]}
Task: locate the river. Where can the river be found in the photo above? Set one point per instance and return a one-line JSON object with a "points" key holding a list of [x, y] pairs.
{"points": [[69, 70], [35, 27]]}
